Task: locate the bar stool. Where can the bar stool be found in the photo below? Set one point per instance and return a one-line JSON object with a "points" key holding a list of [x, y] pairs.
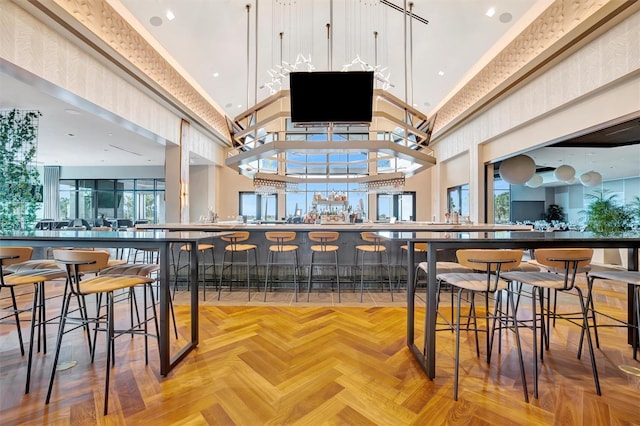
{"points": [[631, 278], [202, 252], [75, 262], [485, 278], [377, 248], [567, 262], [324, 238], [418, 249], [144, 270], [280, 238], [442, 267], [234, 247], [37, 278]]}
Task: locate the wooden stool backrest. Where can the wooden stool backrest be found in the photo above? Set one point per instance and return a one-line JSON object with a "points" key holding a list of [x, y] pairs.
{"points": [[23, 254], [481, 259], [324, 236], [236, 237], [100, 259], [370, 237], [563, 258], [280, 236]]}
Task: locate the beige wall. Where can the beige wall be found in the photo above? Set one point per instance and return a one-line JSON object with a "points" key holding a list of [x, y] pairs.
{"points": [[228, 185], [421, 184], [202, 183]]}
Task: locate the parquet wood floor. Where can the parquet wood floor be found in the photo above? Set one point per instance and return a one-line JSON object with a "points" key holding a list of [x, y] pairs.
{"points": [[315, 364]]}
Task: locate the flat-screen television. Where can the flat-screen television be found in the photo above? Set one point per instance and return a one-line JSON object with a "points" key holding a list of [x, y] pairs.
{"points": [[331, 96]]}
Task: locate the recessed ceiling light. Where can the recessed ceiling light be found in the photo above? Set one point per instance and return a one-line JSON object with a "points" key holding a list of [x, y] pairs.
{"points": [[170, 16], [415, 105], [440, 73], [72, 111], [156, 21], [70, 134], [229, 105], [216, 74], [239, 105], [505, 17], [490, 12]]}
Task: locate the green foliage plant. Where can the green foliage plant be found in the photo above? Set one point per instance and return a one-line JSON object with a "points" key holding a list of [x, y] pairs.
{"points": [[554, 212], [605, 215], [18, 173]]}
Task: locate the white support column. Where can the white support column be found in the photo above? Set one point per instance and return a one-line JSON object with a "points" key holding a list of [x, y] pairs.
{"points": [[185, 143], [172, 183], [476, 184]]}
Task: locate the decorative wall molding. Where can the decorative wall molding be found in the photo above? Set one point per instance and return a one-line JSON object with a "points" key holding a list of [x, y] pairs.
{"points": [[559, 27], [37, 55], [105, 24], [607, 64]]}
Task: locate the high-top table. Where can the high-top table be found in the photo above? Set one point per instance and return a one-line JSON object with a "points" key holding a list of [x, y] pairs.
{"points": [[160, 240], [489, 240]]}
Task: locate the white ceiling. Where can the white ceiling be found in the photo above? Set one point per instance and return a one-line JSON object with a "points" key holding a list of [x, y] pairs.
{"points": [[210, 36], [71, 136]]}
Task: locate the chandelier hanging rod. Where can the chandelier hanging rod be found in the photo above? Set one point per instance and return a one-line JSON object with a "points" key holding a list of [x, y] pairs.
{"points": [[399, 9]]}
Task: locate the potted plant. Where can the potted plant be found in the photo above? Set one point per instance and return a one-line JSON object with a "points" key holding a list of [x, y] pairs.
{"points": [[554, 212], [605, 215]]}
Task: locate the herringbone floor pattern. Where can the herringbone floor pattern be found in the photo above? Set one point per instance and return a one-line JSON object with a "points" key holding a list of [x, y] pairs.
{"points": [[312, 365]]}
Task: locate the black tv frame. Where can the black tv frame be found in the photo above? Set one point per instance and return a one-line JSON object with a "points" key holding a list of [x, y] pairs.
{"points": [[323, 97]]}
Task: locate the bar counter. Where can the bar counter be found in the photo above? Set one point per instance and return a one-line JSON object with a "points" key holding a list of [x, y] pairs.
{"points": [[349, 235], [340, 227]]}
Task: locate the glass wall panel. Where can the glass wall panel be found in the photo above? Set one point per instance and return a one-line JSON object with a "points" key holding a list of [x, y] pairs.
{"points": [[105, 184], [406, 206], [85, 204], [249, 205], [90, 199], [296, 200], [145, 185], [125, 207], [127, 184], [258, 207], [401, 206], [67, 199], [160, 208], [385, 206], [268, 207], [501, 201]]}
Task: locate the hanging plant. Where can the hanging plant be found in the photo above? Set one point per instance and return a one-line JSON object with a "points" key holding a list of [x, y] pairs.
{"points": [[19, 177]]}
